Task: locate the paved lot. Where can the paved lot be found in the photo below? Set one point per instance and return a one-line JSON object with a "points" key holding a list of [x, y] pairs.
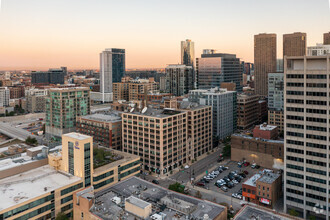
{"points": [[232, 166]]}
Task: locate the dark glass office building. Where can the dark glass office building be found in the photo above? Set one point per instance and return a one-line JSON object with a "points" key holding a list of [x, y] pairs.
{"points": [[215, 68], [52, 76]]}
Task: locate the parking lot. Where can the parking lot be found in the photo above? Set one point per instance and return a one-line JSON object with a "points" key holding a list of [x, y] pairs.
{"points": [[232, 166]]}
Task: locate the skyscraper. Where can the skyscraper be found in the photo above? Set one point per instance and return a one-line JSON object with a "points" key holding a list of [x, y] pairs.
{"points": [[179, 79], [264, 61], [215, 68], [326, 38], [112, 69], [306, 170], [188, 53], [294, 44]]}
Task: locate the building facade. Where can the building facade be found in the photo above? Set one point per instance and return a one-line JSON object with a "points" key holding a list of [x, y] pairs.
{"points": [[112, 69], [266, 153], [294, 44], [224, 109], [16, 92], [36, 100], [104, 128], [215, 68], [326, 38], [275, 91], [318, 50], [188, 53], [276, 117], [247, 111], [4, 96], [63, 105], [306, 121], [264, 61], [52, 76], [179, 79]]}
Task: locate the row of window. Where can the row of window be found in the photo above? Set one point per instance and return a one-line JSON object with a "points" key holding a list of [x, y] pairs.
{"points": [[71, 189]]}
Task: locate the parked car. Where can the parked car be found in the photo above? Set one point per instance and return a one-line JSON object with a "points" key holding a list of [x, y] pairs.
{"points": [[238, 196], [225, 189], [230, 185], [243, 175], [200, 183], [246, 164], [205, 180], [235, 182], [246, 172], [234, 195], [155, 182]]}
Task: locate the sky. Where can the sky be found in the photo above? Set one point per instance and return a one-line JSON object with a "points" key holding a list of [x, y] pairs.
{"points": [[42, 34]]}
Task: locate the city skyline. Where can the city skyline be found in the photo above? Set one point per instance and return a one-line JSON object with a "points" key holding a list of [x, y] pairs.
{"points": [[35, 37]]}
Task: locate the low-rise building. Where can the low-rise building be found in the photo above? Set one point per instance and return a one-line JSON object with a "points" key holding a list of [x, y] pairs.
{"points": [[36, 100], [265, 131], [17, 92], [266, 153], [137, 198], [40, 184], [252, 212], [105, 128]]}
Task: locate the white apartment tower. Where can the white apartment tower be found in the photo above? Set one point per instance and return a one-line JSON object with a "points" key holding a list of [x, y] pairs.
{"points": [[306, 135]]}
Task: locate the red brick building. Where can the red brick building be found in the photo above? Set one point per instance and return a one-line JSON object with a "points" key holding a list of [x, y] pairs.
{"points": [[269, 132]]}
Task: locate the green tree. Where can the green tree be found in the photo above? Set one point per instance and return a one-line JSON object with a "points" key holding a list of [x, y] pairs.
{"points": [[177, 187], [61, 216], [31, 141], [226, 151], [293, 212]]}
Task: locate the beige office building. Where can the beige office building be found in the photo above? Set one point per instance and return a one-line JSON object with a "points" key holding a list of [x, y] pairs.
{"points": [[294, 44], [247, 111], [264, 61], [166, 139], [306, 135]]}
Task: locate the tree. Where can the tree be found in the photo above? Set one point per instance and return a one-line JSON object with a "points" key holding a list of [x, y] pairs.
{"points": [[177, 187], [31, 141], [293, 212], [198, 195], [61, 216], [226, 151]]}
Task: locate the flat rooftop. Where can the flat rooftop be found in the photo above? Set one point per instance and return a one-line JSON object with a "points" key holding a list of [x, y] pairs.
{"points": [[261, 139], [163, 201], [137, 202], [267, 127], [125, 157], [249, 212], [158, 113], [76, 135], [103, 117], [33, 183], [269, 177], [253, 180]]}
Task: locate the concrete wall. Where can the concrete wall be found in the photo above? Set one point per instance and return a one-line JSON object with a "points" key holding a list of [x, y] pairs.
{"points": [[20, 169]]}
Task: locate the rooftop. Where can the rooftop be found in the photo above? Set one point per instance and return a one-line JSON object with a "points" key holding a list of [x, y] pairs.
{"points": [[269, 177], [122, 158], [137, 202], [103, 117], [76, 135], [261, 139], [164, 202], [253, 180], [266, 127], [33, 183], [249, 212], [68, 88], [157, 113]]}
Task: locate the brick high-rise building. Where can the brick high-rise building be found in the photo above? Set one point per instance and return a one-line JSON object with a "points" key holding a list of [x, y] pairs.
{"points": [[326, 38], [294, 44], [264, 61], [306, 135], [247, 110]]}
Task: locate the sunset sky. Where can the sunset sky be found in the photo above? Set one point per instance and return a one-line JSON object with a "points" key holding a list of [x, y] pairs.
{"points": [[39, 34]]}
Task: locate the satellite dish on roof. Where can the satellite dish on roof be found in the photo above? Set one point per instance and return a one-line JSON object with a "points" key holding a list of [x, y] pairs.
{"points": [[144, 110], [132, 110]]}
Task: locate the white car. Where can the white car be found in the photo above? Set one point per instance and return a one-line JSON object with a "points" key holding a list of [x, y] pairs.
{"points": [[234, 195], [235, 182], [239, 196]]}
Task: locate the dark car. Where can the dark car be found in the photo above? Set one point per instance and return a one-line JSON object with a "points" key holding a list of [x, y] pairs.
{"points": [[245, 172], [200, 184], [226, 179], [238, 179], [230, 185], [231, 177], [205, 180], [155, 182], [243, 175]]}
